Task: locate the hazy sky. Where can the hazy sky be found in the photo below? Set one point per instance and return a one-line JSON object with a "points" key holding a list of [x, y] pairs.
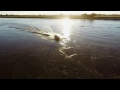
{"points": [[58, 12]]}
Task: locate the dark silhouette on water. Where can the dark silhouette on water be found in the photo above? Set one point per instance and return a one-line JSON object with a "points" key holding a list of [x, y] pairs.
{"points": [[56, 38]]}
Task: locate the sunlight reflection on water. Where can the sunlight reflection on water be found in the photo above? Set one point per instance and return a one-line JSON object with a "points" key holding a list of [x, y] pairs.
{"points": [[65, 47], [66, 24]]}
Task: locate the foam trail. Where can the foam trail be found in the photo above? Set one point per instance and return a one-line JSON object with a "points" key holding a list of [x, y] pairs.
{"points": [[46, 31]]}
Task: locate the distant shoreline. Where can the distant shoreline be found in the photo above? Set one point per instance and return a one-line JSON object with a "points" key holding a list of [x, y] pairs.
{"points": [[105, 17]]}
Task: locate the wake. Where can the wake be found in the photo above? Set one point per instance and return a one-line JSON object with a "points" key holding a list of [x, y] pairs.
{"points": [[45, 31]]}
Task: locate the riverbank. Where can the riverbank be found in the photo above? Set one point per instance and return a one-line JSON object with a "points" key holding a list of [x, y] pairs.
{"points": [[107, 17]]}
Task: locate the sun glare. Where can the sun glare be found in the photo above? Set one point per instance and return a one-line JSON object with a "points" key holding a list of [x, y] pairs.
{"points": [[66, 22]]}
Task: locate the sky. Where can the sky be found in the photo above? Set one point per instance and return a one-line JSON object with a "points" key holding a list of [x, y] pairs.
{"points": [[57, 12]]}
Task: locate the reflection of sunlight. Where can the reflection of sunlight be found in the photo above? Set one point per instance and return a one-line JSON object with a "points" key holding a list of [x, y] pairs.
{"points": [[66, 48], [66, 23]]}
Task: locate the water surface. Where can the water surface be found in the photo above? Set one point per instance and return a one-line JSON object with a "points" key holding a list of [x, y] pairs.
{"points": [[90, 49]]}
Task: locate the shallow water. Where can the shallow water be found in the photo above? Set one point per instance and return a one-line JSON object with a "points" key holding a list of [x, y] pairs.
{"points": [[90, 49]]}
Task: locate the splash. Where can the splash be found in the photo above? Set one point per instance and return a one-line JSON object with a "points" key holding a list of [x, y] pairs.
{"points": [[45, 31]]}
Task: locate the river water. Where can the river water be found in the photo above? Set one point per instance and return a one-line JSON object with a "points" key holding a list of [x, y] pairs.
{"points": [[88, 49]]}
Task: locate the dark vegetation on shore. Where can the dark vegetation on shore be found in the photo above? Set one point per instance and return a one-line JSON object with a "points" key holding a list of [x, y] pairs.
{"points": [[83, 16]]}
